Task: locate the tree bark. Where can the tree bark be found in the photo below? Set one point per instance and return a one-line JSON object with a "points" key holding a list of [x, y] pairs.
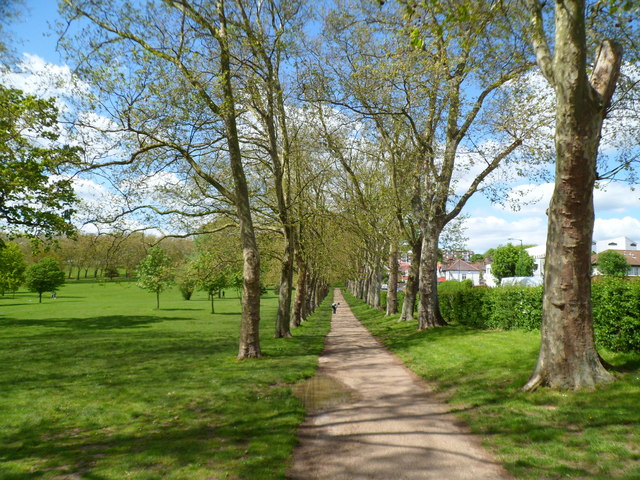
{"points": [[411, 292], [429, 315], [301, 287], [568, 358], [283, 320], [392, 284]]}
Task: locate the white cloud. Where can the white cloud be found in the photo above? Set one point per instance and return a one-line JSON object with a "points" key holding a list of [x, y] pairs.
{"points": [[38, 77], [490, 232], [617, 198], [616, 227]]}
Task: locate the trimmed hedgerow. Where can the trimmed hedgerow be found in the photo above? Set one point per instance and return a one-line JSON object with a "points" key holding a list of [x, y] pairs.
{"points": [[616, 313], [616, 309]]}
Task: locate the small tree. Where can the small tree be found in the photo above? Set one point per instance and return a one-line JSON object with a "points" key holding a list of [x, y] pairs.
{"points": [[44, 276], [511, 261], [155, 272], [612, 263], [12, 268]]}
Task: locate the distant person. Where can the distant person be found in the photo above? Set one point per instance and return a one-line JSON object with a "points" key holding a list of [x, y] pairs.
{"points": [[54, 295], [335, 307]]}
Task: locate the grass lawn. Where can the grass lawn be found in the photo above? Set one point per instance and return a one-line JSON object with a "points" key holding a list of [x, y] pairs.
{"points": [[98, 384], [541, 435]]}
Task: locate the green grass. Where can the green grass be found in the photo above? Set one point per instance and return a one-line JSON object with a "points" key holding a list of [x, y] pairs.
{"points": [[98, 384], [542, 435]]}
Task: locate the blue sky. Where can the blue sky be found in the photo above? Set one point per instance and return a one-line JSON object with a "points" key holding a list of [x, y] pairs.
{"points": [[617, 207]]}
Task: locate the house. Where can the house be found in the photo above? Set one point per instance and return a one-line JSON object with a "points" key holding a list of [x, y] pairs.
{"points": [[620, 243], [461, 270], [623, 245]]}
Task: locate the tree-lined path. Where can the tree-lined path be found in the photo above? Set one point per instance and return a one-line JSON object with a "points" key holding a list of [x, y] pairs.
{"points": [[394, 429]]}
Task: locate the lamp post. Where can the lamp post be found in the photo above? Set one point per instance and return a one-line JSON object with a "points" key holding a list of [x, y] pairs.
{"points": [[518, 271]]}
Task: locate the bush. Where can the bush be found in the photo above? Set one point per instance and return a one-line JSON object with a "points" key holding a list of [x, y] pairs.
{"points": [[616, 313], [616, 309], [502, 308]]}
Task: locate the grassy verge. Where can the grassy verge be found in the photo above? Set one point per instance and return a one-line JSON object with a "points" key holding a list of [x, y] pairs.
{"points": [[99, 385], [540, 435]]}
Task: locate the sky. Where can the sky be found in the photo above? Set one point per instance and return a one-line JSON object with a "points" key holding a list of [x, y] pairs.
{"points": [[617, 205]]}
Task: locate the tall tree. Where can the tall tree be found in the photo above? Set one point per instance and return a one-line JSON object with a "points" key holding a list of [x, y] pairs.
{"points": [[440, 93], [568, 357], [188, 128]]}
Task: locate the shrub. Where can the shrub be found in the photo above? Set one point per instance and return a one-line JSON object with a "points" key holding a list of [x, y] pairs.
{"points": [[616, 313]]}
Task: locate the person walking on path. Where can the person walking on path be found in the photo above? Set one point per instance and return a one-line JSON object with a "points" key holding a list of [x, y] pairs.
{"points": [[394, 429]]}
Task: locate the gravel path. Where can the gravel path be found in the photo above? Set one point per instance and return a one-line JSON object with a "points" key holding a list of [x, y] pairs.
{"points": [[392, 429]]}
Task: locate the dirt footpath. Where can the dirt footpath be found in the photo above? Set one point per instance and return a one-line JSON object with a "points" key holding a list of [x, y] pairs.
{"points": [[392, 429]]}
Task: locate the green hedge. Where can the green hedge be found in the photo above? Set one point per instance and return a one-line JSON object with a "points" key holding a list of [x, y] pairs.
{"points": [[616, 309]]}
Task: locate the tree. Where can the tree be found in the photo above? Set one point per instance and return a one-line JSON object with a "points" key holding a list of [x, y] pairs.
{"points": [[511, 261], [188, 128], [612, 263], [436, 103], [44, 276], [34, 198], [12, 268], [155, 272], [568, 357]]}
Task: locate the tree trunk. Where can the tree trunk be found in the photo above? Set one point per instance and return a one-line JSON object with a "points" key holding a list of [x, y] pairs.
{"points": [[411, 292], [301, 287], [428, 308], [158, 299], [568, 358], [392, 284], [250, 322], [286, 280], [213, 310]]}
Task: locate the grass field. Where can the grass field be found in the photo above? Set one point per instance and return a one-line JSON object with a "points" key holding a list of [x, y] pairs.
{"points": [[540, 435], [98, 384]]}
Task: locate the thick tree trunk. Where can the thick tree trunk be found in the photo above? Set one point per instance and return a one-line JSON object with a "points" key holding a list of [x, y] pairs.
{"points": [[568, 358], [411, 292], [428, 308], [392, 285], [283, 329]]}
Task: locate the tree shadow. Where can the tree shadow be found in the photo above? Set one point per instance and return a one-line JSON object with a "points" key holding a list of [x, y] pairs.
{"points": [[106, 322]]}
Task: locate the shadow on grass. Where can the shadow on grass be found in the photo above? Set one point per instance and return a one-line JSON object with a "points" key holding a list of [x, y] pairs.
{"points": [[107, 322]]}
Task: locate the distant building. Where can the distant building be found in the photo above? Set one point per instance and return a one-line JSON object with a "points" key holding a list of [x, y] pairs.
{"points": [[620, 243], [460, 270]]}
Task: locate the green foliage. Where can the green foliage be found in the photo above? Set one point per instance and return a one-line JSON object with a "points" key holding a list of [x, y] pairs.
{"points": [[155, 273], [543, 435], [616, 313], [32, 201], [511, 261], [616, 309], [12, 268], [44, 276], [612, 263], [97, 385]]}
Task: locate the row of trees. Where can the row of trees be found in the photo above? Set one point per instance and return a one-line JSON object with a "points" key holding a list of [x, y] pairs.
{"points": [[352, 142]]}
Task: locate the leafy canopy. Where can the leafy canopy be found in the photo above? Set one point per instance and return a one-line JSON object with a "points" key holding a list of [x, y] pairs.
{"points": [[12, 268], [511, 261], [612, 263], [33, 199], [44, 276]]}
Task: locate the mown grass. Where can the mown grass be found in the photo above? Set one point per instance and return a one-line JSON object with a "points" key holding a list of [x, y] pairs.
{"points": [[542, 435], [98, 384]]}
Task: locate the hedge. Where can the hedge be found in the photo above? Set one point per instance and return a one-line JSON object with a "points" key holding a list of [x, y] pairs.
{"points": [[616, 309]]}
